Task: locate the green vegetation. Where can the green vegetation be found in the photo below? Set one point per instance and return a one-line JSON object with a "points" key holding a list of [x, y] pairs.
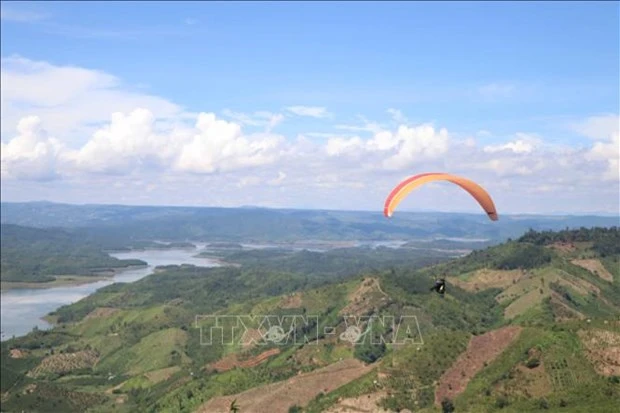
{"points": [[338, 262], [605, 241], [571, 381], [149, 356], [38, 255]]}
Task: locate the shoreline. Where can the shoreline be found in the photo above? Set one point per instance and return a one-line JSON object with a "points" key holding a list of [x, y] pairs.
{"points": [[217, 260], [66, 280]]}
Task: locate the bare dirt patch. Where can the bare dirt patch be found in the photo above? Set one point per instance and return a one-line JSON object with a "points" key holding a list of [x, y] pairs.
{"points": [[251, 337], [17, 353], [291, 301], [101, 312], [595, 267], [603, 350], [565, 247], [367, 403], [365, 298], [481, 349], [486, 278], [62, 363], [232, 361], [298, 390]]}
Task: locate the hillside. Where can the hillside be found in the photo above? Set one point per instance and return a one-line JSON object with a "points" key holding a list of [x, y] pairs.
{"points": [[39, 255], [526, 325]]}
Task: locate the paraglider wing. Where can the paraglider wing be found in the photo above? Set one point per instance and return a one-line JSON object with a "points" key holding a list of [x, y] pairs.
{"points": [[403, 189]]}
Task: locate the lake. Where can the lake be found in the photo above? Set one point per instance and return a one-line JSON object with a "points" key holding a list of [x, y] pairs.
{"points": [[22, 309]]}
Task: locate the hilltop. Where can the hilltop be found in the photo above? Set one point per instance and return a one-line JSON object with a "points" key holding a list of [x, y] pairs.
{"points": [[532, 323]]}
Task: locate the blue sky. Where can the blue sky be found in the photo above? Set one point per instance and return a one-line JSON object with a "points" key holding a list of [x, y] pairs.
{"points": [[491, 72]]}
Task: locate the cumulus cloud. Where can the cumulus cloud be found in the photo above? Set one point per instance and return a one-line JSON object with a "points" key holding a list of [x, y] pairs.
{"points": [[606, 131], [31, 155], [399, 149], [68, 99], [133, 142], [220, 145], [310, 111]]}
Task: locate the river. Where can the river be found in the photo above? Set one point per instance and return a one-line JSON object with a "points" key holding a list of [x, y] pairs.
{"points": [[22, 309]]}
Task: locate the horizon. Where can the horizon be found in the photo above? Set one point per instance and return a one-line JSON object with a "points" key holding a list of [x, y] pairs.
{"points": [[558, 214], [300, 106]]}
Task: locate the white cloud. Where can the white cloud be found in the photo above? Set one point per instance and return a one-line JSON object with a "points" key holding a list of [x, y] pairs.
{"points": [[397, 116], [31, 155], [399, 149], [68, 99], [220, 145], [279, 180], [340, 146], [248, 181], [132, 142], [605, 130], [310, 111], [524, 144], [602, 128]]}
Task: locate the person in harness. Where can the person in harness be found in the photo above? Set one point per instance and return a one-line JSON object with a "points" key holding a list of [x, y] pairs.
{"points": [[440, 286]]}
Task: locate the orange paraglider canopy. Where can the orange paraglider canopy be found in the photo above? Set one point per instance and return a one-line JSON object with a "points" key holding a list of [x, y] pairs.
{"points": [[405, 187]]}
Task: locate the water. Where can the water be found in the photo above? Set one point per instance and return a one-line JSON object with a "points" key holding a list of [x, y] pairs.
{"points": [[22, 309]]}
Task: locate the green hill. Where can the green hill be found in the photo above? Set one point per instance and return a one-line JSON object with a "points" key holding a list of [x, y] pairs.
{"points": [[39, 255], [531, 324]]}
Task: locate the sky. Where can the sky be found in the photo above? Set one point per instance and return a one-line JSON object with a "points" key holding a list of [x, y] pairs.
{"points": [[312, 104]]}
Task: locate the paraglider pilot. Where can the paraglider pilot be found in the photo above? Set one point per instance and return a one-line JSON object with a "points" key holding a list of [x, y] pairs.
{"points": [[440, 286]]}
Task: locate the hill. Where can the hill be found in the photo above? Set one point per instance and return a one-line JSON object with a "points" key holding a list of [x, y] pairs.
{"points": [[524, 325], [40, 255]]}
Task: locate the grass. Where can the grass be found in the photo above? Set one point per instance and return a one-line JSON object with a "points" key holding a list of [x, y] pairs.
{"points": [[158, 350]]}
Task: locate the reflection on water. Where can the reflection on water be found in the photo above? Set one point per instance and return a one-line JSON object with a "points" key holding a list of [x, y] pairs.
{"points": [[22, 309]]}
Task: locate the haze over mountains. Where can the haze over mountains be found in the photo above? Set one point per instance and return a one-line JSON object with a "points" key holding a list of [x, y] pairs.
{"points": [[189, 223]]}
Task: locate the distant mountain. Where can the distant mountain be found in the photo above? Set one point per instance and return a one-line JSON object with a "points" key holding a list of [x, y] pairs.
{"points": [[263, 224]]}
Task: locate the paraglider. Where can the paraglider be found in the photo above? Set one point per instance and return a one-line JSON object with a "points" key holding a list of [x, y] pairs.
{"points": [[403, 189]]}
